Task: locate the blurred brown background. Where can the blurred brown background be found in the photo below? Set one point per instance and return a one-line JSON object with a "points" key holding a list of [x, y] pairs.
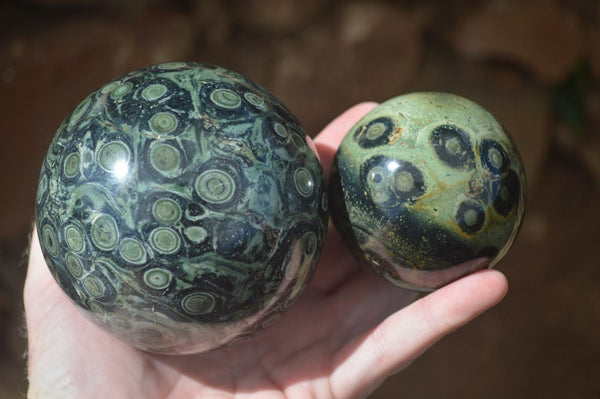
{"points": [[534, 64]]}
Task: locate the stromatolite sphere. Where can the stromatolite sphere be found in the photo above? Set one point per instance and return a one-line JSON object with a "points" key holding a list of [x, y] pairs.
{"points": [[426, 188], [181, 207]]}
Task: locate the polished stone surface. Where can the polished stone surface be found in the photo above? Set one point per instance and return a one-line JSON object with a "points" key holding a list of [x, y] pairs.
{"points": [[181, 207], [426, 188]]}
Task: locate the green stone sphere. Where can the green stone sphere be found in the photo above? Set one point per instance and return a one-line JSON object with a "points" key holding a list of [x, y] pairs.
{"points": [[181, 207], [426, 188]]}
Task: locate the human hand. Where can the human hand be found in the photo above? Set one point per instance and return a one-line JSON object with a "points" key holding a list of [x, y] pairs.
{"points": [[347, 333]]}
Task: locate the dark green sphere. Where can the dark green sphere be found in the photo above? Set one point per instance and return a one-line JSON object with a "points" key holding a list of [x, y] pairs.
{"points": [[426, 188], [181, 208]]}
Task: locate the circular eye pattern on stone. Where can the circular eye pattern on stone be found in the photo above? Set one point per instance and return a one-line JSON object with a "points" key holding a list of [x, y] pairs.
{"points": [[470, 216], [165, 210], [165, 159], [389, 181], [505, 193], [375, 176], [407, 180], [493, 157], [377, 182], [453, 147], [109, 87], [80, 110], [114, 157], [255, 100], [163, 122], [97, 283], [74, 265], [198, 303], [375, 133], [275, 131], [225, 98], [298, 141], [71, 165], [49, 239], [74, 238], [169, 66], [154, 92], [215, 186], [94, 286], [280, 130], [132, 251], [121, 90], [165, 240], [304, 182], [104, 232], [157, 278]]}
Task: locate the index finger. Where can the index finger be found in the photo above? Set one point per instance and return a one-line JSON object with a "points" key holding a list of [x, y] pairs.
{"points": [[328, 141]]}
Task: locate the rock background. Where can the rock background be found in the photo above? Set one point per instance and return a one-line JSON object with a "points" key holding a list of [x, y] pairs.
{"points": [[535, 64]]}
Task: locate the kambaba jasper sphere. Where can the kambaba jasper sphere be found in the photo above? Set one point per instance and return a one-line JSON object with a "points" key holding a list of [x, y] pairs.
{"points": [[426, 188], [181, 208]]}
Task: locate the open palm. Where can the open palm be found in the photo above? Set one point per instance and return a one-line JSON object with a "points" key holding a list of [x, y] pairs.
{"points": [[346, 334]]}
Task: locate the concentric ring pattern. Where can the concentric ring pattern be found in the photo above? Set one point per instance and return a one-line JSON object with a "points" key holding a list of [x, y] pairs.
{"points": [[181, 207], [426, 188]]}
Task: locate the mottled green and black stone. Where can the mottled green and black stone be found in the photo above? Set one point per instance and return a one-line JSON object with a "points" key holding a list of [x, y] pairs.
{"points": [[181, 207], [426, 188]]}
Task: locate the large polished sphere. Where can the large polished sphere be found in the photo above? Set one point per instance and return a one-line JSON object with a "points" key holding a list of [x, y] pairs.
{"points": [[426, 188], [180, 207]]}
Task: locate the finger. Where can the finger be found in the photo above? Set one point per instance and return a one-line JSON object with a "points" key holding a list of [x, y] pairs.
{"points": [[331, 136], [406, 334]]}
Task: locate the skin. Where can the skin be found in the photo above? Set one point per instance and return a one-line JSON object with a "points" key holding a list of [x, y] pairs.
{"points": [[349, 331]]}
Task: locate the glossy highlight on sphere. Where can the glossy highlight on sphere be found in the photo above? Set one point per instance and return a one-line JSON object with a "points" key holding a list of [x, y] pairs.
{"points": [[426, 188], [181, 207]]}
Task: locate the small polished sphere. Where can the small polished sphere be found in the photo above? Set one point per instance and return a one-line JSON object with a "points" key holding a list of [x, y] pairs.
{"points": [[181, 207], [426, 188]]}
